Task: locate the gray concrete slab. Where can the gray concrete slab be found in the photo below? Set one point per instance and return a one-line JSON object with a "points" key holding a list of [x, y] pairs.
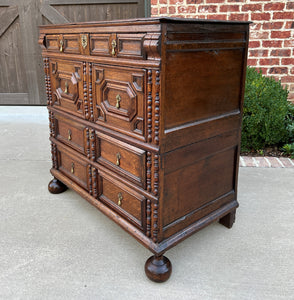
{"points": [[61, 247]]}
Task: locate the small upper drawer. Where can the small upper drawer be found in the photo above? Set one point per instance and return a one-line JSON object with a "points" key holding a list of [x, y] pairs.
{"points": [[71, 133], [68, 43], [128, 160], [125, 201], [118, 45]]}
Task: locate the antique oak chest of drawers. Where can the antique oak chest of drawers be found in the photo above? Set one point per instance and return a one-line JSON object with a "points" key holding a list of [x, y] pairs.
{"points": [[145, 119]]}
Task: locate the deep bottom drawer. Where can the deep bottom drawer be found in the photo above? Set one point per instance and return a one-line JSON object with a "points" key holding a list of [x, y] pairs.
{"points": [[124, 200]]}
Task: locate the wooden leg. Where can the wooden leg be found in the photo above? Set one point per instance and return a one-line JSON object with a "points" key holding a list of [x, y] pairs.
{"points": [[158, 268], [229, 219], [56, 187]]}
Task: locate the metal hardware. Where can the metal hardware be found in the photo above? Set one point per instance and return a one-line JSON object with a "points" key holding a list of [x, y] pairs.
{"points": [[61, 43], [72, 168], [120, 198], [84, 41], [118, 157], [113, 45], [66, 87], [118, 99], [69, 135]]}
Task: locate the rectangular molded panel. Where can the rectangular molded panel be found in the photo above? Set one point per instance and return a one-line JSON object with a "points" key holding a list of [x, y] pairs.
{"points": [[188, 188], [202, 84]]}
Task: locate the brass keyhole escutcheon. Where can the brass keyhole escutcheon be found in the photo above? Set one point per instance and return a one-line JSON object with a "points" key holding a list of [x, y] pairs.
{"points": [[72, 169], [69, 135], [84, 41], [120, 198], [118, 99], [66, 87], [61, 44], [113, 46], [118, 157]]}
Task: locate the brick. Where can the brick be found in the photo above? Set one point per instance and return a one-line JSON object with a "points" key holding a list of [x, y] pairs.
{"points": [[288, 61], [287, 79], [255, 26], [272, 25], [248, 161], [229, 8], [163, 2], [289, 25], [281, 52], [251, 7], [235, 0], [259, 35], [163, 10], [290, 5], [292, 70], [217, 17], [251, 62], [171, 9], [254, 44], [182, 9], [272, 43], [278, 70], [261, 162], [174, 2], [274, 6], [283, 15], [280, 34], [207, 8], [289, 43], [154, 2], [287, 162], [269, 61], [274, 162], [215, 1], [260, 16], [194, 1], [238, 17], [259, 53], [154, 11]]}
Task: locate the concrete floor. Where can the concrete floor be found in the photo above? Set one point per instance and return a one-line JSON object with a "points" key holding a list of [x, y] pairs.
{"points": [[61, 247]]}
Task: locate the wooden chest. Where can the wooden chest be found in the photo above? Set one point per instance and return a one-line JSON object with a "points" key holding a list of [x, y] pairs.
{"points": [[145, 119]]}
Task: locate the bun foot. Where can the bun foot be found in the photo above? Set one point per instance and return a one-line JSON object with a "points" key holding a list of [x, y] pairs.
{"points": [[56, 187], [158, 268], [229, 219]]}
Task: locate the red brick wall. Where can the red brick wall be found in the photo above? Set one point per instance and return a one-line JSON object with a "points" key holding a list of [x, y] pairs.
{"points": [[271, 46]]}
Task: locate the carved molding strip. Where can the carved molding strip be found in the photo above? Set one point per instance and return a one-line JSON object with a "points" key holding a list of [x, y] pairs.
{"points": [[87, 143], [155, 222], [92, 145], [156, 112], [149, 107], [90, 93], [47, 81], [85, 91], [90, 180], [94, 182]]}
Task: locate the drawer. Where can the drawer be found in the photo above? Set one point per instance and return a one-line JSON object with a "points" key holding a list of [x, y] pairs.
{"points": [[67, 86], [68, 43], [73, 167], [124, 200], [118, 94], [127, 160], [71, 133], [118, 45]]}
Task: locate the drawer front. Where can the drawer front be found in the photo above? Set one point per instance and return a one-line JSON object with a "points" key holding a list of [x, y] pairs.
{"points": [[124, 200], [67, 86], [117, 45], [127, 160], [119, 99], [71, 133], [68, 43], [73, 167]]}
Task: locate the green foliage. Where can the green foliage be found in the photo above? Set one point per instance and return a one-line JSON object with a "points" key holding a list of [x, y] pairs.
{"points": [[268, 116], [289, 149]]}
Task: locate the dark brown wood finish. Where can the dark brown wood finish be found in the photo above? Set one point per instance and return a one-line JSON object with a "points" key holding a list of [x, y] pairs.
{"points": [[145, 119]]}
